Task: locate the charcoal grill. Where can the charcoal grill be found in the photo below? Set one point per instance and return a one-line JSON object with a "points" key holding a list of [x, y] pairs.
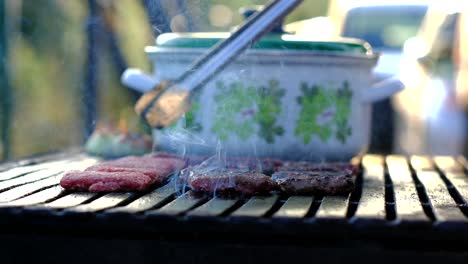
{"points": [[404, 208]]}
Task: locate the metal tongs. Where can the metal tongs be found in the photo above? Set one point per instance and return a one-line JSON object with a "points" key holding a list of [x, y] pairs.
{"points": [[168, 101]]}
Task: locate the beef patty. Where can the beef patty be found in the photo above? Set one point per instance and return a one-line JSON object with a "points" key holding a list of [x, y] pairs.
{"points": [[125, 174], [227, 181], [315, 178]]}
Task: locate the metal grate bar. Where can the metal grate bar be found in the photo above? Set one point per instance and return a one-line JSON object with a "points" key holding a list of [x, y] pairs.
{"points": [[46, 172], [37, 198], [180, 205], [464, 162], [29, 188], [214, 207], [39, 181], [39, 160], [408, 205], [70, 200], [104, 202], [256, 206], [295, 207], [147, 201], [454, 177], [29, 178], [23, 170], [444, 207], [459, 182], [19, 171], [372, 203], [333, 207], [421, 163], [448, 164]]}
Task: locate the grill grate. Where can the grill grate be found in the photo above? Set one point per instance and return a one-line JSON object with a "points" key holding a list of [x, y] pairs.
{"points": [[427, 194]]}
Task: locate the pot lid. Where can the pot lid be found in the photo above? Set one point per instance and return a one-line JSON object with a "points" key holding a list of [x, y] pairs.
{"points": [[271, 41]]}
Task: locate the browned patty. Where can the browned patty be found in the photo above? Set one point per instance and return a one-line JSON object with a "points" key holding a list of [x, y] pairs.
{"points": [[311, 166], [229, 181], [266, 166], [147, 162], [313, 178]]}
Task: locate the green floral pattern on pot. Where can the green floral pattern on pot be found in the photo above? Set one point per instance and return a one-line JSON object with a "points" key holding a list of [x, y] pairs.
{"points": [[190, 120], [324, 112], [243, 110]]}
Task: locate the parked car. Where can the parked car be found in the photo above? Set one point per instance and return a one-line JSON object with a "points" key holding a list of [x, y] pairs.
{"points": [[417, 41], [431, 112], [386, 25]]}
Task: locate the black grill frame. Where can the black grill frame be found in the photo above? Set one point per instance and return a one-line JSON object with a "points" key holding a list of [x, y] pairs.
{"points": [[438, 228]]}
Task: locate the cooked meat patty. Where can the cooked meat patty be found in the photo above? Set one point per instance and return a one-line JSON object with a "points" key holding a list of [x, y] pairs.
{"points": [[150, 172], [229, 181], [124, 174], [146, 162], [310, 178], [101, 181], [266, 166], [310, 166]]}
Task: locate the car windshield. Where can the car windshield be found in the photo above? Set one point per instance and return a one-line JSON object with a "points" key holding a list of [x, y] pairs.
{"points": [[384, 27]]}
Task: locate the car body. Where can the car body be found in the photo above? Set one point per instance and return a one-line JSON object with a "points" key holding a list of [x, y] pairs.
{"points": [[430, 113], [386, 25], [416, 40]]}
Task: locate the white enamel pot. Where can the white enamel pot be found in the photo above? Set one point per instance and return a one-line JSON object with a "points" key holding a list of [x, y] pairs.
{"points": [[289, 104]]}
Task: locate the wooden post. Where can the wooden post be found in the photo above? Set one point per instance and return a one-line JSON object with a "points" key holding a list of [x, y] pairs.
{"points": [[157, 17], [5, 89], [89, 88]]}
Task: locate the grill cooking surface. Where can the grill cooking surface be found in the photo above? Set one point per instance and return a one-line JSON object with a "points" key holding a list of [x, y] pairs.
{"points": [[396, 197]]}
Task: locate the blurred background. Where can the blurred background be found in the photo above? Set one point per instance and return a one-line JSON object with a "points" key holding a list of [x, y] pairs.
{"points": [[62, 61]]}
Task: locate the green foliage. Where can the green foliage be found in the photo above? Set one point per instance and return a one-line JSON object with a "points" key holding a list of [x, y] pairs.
{"points": [[47, 53], [319, 102], [46, 60], [307, 9], [38, 33]]}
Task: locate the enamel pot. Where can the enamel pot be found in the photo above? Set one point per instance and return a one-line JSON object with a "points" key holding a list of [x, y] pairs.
{"points": [[286, 97]]}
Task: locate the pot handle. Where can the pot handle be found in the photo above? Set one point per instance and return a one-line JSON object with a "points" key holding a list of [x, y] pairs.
{"points": [[381, 90], [137, 80]]}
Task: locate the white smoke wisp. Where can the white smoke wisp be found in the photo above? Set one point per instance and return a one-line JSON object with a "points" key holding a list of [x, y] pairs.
{"points": [[210, 166], [181, 141]]}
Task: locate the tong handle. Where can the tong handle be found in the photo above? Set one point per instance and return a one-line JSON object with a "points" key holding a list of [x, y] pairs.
{"points": [[167, 103], [225, 51]]}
